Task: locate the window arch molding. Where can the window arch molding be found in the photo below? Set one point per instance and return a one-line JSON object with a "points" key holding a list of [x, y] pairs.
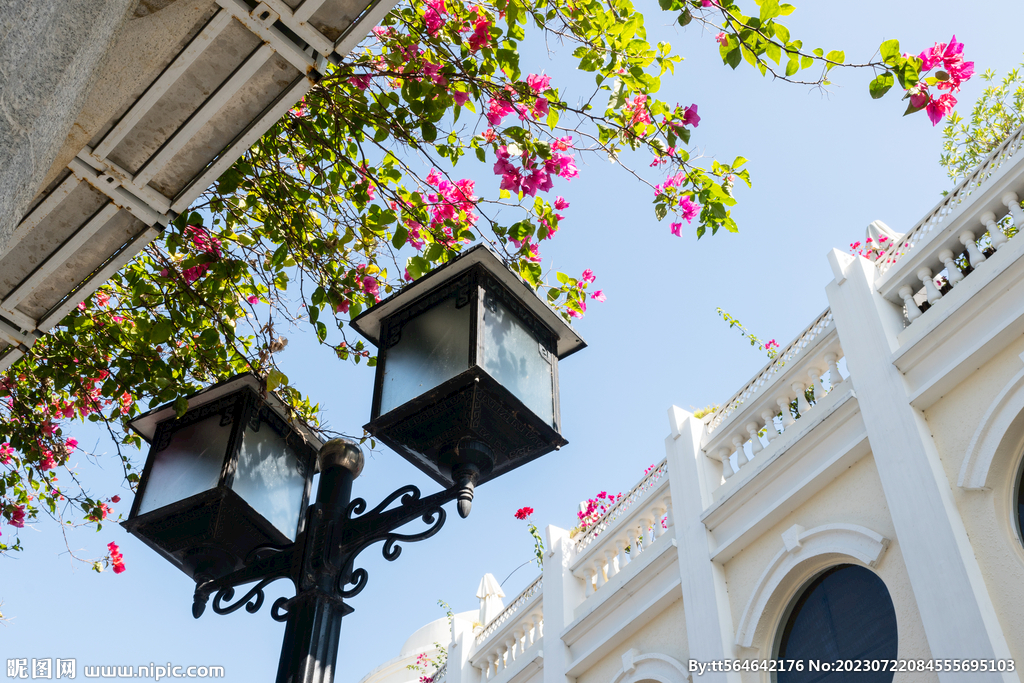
{"points": [[998, 439], [650, 667], [805, 553]]}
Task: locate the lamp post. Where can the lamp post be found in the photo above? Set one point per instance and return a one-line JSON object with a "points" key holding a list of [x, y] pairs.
{"points": [[466, 389]]}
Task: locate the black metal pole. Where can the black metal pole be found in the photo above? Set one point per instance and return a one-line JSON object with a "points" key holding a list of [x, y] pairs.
{"points": [[313, 629]]}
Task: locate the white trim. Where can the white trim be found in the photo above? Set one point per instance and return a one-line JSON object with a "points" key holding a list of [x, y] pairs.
{"points": [[161, 85], [992, 428], [220, 97], [243, 141], [45, 207], [778, 582], [651, 667]]}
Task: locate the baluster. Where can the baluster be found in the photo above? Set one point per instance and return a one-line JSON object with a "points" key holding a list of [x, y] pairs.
{"points": [[609, 554], [1012, 202], [633, 544], [659, 513], [988, 219], [907, 294], [667, 502], [741, 456], [814, 375], [802, 406], [520, 634], [755, 441], [528, 632], [768, 415], [645, 529], [834, 378], [485, 672], [975, 257], [787, 417], [510, 652], [498, 660], [599, 570], [538, 619], [588, 582], [723, 457], [924, 274], [953, 273]]}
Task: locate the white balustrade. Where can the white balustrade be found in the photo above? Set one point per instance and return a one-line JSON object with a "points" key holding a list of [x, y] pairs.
{"points": [[511, 633], [643, 515], [771, 415], [976, 215], [972, 185]]}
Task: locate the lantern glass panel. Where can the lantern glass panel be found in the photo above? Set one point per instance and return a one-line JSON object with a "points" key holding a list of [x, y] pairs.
{"points": [[190, 464], [514, 357], [269, 479], [433, 348]]}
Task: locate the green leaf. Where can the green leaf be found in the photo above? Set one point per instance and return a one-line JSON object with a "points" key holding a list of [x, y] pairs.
{"points": [[769, 10], [786, 9], [276, 378], [685, 17], [161, 332], [782, 33], [734, 57], [890, 51], [881, 84], [792, 66], [774, 52], [180, 406]]}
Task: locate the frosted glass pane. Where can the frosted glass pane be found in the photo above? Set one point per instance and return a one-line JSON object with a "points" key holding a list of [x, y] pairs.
{"points": [[268, 478], [434, 347], [512, 356], [191, 464]]}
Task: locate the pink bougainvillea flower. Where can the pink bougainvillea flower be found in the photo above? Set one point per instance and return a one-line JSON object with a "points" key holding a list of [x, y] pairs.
{"points": [[342, 307], [573, 313], [362, 82], [523, 513], [690, 210], [677, 229], [588, 276], [48, 462], [722, 39], [115, 499], [497, 110], [70, 445], [460, 97], [370, 284], [562, 144], [690, 117], [598, 295], [18, 517], [561, 204], [538, 83], [253, 299], [6, 451], [940, 107], [102, 298], [433, 16], [540, 108], [81, 304], [116, 558]]}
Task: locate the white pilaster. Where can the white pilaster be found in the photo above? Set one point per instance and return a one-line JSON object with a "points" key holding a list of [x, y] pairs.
{"points": [[955, 606], [709, 629], [562, 593]]}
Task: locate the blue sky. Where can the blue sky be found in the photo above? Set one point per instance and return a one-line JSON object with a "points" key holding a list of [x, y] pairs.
{"points": [[824, 165]]}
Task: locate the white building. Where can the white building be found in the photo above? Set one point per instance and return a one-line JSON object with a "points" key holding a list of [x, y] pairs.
{"points": [[883, 523]]}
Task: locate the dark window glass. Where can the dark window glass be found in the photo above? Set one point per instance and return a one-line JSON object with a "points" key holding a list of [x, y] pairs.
{"points": [[844, 614], [1020, 502]]}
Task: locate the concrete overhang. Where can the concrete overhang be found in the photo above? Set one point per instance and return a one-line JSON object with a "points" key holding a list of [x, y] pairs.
{"points": [[187, 88]]}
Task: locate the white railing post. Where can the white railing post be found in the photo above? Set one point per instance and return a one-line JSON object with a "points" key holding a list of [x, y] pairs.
{"points": [[988, 220], [975, 257], [953, 273], [768, 415], [1012, 203]]}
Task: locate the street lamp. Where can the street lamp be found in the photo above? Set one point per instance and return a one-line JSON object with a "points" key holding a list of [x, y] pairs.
{"points": [[466, 390]]}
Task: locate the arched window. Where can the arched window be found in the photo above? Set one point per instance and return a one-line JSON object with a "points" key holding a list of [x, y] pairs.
{"points": [[845, 613], [1020, 502]]}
